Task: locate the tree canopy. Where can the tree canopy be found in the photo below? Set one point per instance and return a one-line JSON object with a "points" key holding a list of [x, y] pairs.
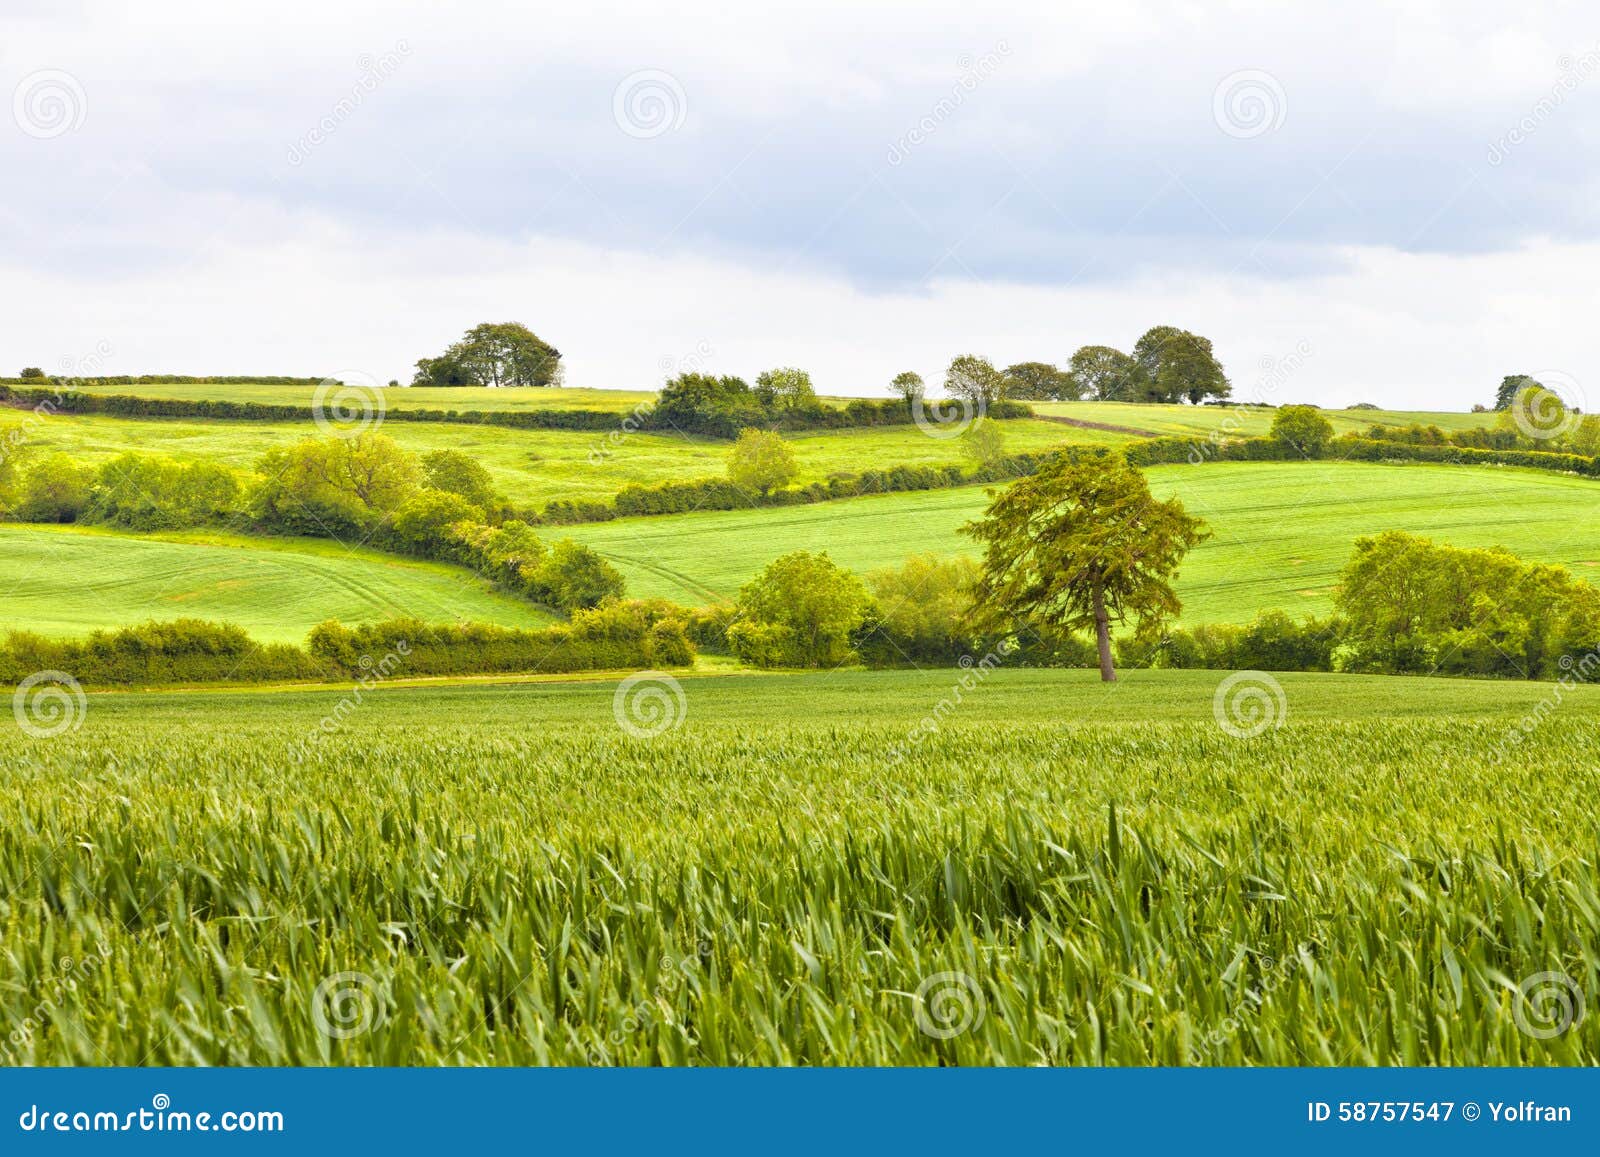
{"points": [[493, 354], [1105, 374], [1176, 365], [974, 379], [1040, 382], [1304, 428], [1082, 543], [761, 460], [800, 611]]}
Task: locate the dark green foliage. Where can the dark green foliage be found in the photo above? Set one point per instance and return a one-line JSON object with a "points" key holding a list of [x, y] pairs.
{"points": [[145, 493], [154, 653], [492, 354]]}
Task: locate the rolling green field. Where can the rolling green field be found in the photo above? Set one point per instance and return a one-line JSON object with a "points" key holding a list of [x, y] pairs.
{"points": [[64, 582], [406, 397], [1281, 530], [1058, 873], [530, 466], [1244, 421]]}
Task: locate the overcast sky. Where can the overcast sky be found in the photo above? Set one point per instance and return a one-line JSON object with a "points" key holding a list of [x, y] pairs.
{"points": [[1357, 202]]}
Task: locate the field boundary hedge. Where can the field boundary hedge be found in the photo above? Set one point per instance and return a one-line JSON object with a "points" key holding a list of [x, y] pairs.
{"points": [[621, 637], [861, 413]]}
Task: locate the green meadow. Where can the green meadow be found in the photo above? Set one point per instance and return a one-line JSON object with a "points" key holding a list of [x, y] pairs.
{"points": [[1280, 530], [66, 581]]}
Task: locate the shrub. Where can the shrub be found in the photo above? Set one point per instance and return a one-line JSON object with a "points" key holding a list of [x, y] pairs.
{"points": [[573, 576], [56, 489], [334, 486], [146, 493], [423, 522], [1303, 429], [920, 612], [457, 473], [800, 611], [761, 461]]}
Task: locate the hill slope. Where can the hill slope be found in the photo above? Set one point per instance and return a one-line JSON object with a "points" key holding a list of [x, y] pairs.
{"points": [[1280, 531], [61, 581]]}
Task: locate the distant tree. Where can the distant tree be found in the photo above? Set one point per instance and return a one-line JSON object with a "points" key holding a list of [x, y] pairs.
{"points": [[761, 460], [493, 354], [1176, 365], [1510, 386], [974, 379], [786, 388], [907, 386], [1040, 382], [984, 443], [1371, 406], [31, 372], [1081, 544], [1105, 374], [1304, 428], [689, 396], [456, 472], [800, 611]]}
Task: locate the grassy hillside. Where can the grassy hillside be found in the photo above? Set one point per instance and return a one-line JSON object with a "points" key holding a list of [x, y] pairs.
{"points": [[502, 876], [1281, 531], [62, 581], [531, 466], [1242, 421], [419, 398]]}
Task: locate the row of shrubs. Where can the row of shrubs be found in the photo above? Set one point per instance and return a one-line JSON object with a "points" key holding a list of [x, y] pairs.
{"points": [[1349, 447], [635, 500], [171, 380], [862, 412], [620, 635]]}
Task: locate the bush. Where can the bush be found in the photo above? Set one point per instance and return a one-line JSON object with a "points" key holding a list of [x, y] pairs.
{"points": [[178, 651], [800, 611], [1304, 429], [334, 487], [920, 612], [146, 493], [422, 524], [56, 489], [573, 576]]}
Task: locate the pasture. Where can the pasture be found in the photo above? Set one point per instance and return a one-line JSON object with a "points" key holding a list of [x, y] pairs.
{"points": [[1281, 530], [1059, 872], [66, 582]]}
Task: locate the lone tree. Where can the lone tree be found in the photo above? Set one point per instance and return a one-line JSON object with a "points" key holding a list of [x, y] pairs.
{"points": [[1175, 364], [1304, 429], [974, 380], [907, 386], [1081, 543], [493, 354], [1510, 386], [760, 460]]}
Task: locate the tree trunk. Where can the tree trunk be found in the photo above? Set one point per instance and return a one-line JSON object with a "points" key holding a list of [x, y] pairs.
{"points": [[1102, 637]]}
